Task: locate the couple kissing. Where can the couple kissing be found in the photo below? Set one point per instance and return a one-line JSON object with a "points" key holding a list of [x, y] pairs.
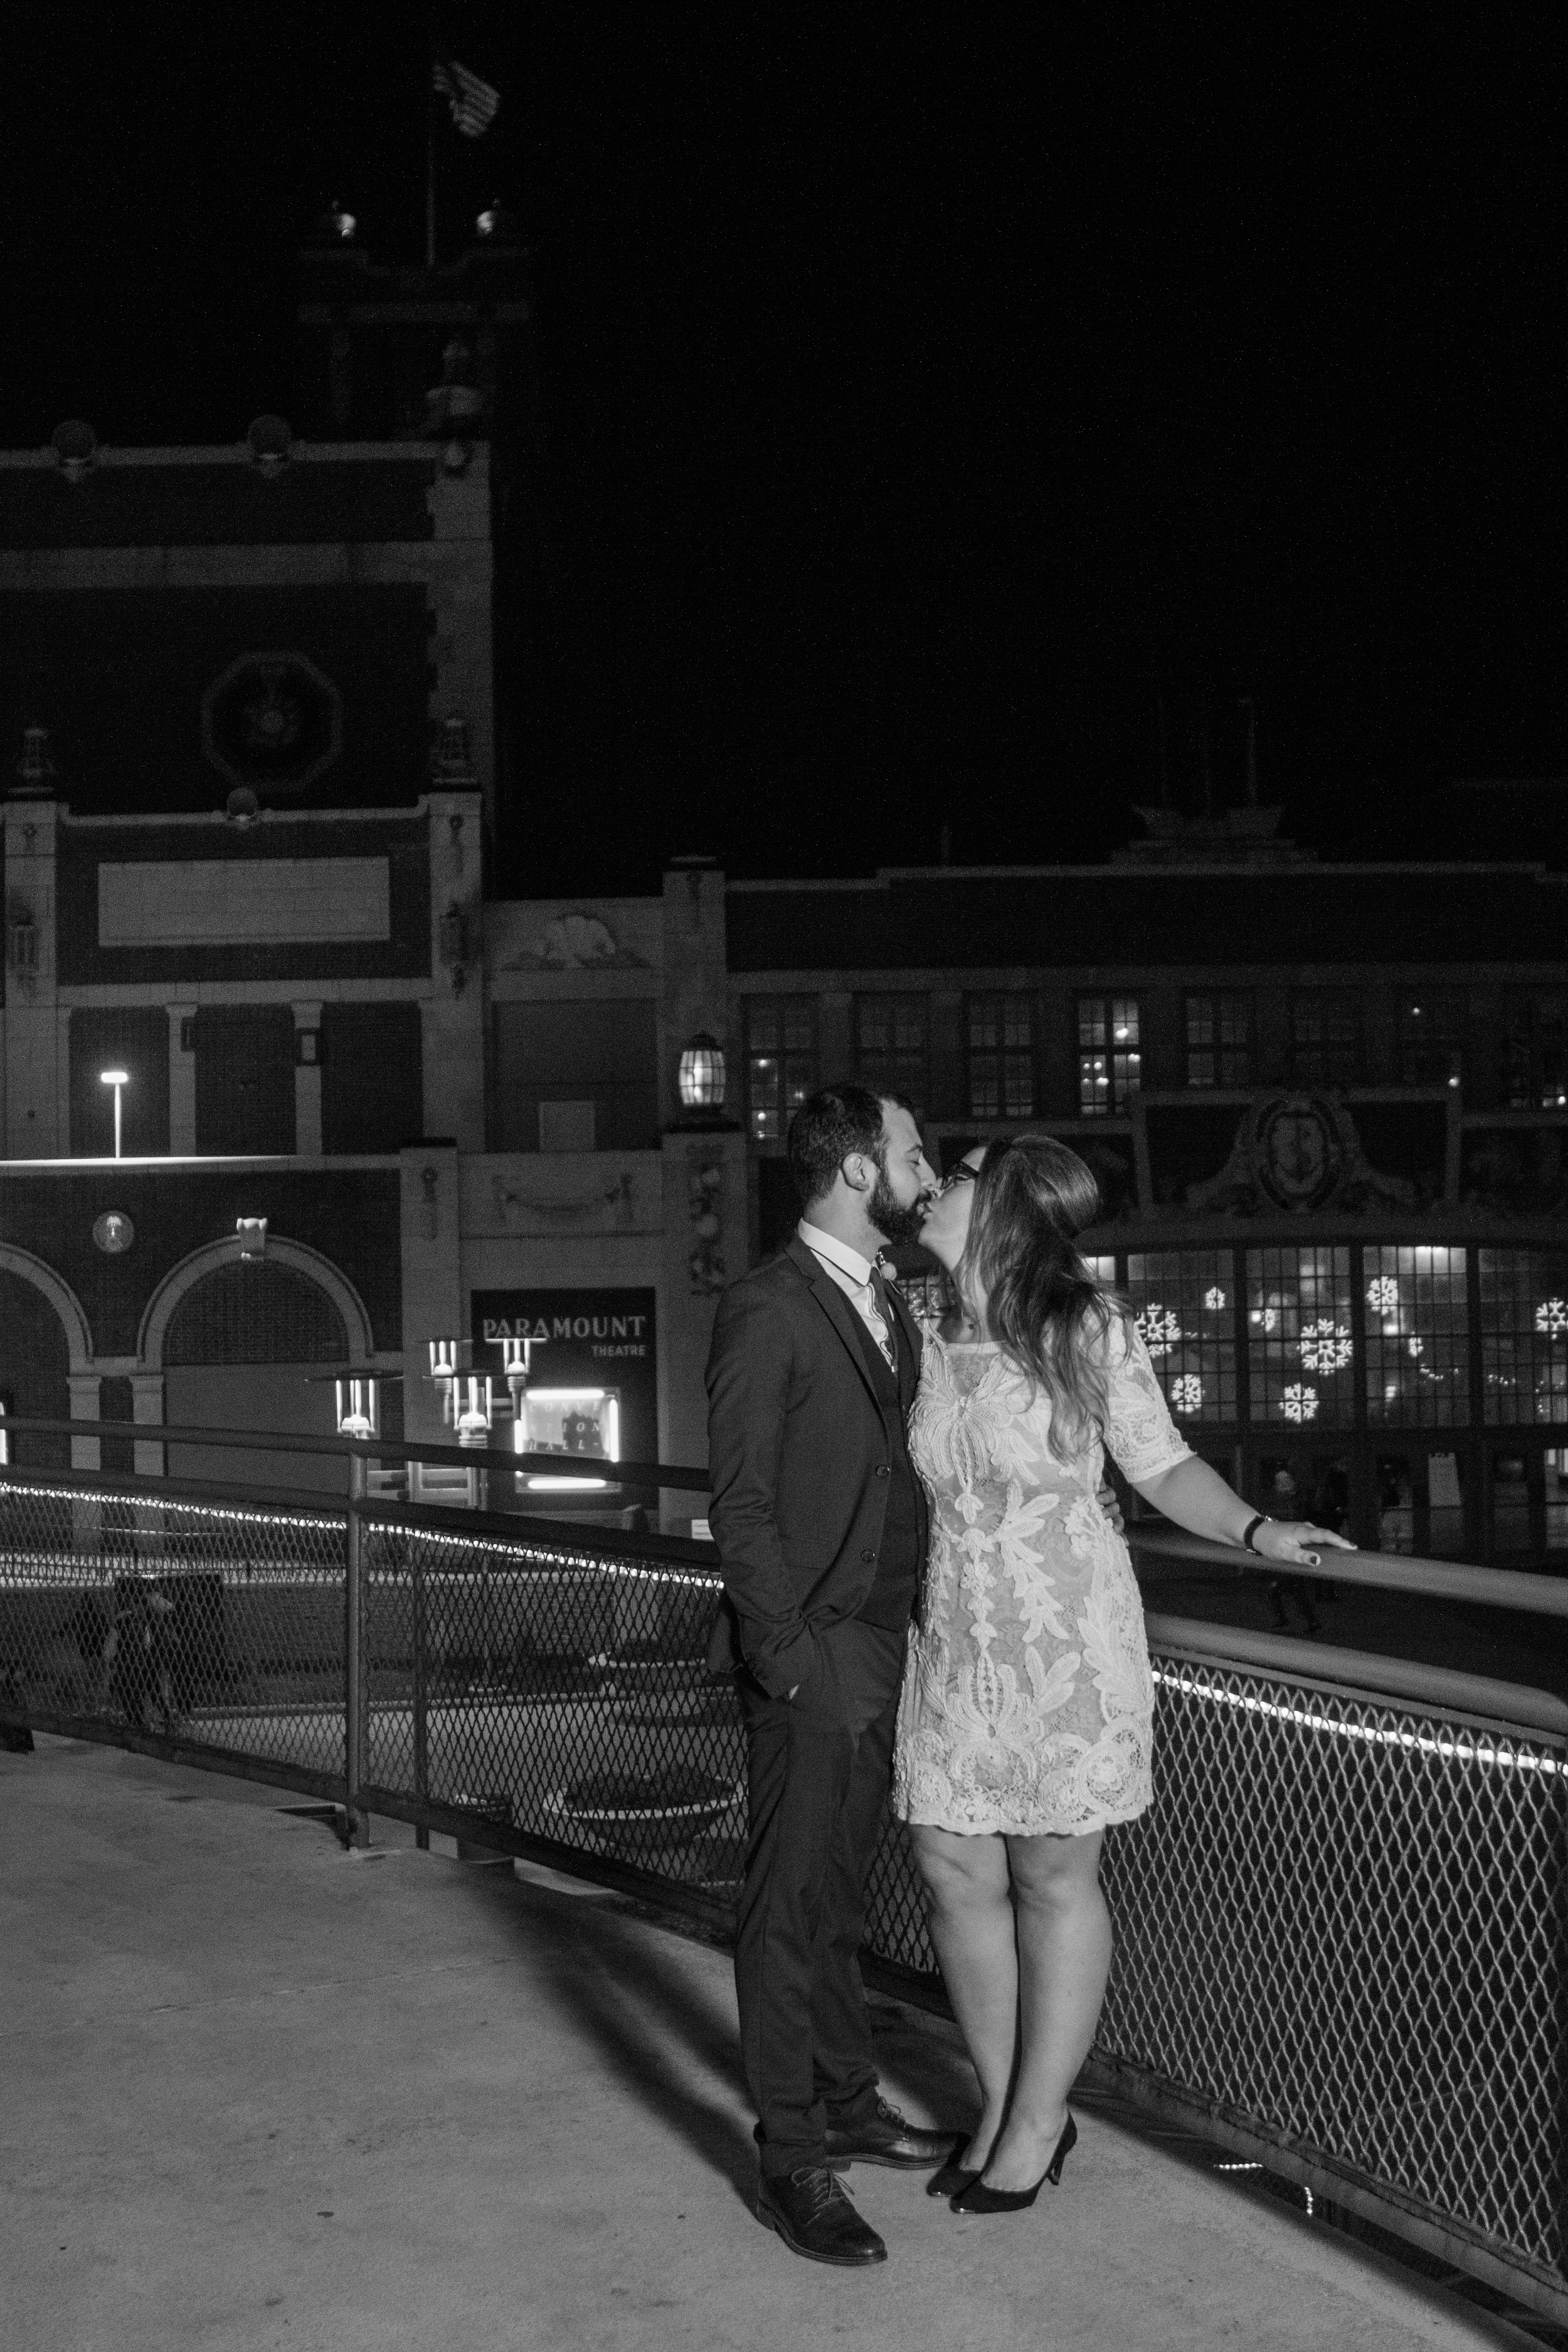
{"points": [[926, 1590]]}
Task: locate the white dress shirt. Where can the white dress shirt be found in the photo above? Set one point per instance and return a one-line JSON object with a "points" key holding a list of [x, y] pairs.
{"points": [[852, 1273]]}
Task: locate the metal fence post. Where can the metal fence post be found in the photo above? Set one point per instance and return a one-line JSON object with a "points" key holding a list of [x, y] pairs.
{"points": [[356, 1692], [421, 1695]]}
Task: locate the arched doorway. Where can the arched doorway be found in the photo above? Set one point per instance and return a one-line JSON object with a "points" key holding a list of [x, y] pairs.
{"points": [[240, 1342], [35, 1367]]}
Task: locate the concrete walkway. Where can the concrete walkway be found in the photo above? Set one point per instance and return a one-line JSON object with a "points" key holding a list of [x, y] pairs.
{"points": [[255, 2092]]}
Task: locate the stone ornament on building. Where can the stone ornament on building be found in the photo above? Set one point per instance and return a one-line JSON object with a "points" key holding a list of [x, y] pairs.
{"points": [[705, 1194], [1300, 1152], [579, 941], [272, 722]]}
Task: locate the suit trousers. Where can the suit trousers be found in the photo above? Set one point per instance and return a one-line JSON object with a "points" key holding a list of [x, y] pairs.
{"points": [[818, 1772]]}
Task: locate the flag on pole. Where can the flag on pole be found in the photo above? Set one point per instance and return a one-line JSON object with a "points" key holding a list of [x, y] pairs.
{"points": [[473, 102]]}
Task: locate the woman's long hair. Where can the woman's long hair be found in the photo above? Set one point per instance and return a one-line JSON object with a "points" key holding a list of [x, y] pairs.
{"points": [[1032, 1198]]}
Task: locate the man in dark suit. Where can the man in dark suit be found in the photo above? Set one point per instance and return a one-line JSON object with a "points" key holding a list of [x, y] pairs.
{"points": [[821, 1526]]}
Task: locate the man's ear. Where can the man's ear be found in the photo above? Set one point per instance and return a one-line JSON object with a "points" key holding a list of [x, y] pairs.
{"points": [[853, 1168]]}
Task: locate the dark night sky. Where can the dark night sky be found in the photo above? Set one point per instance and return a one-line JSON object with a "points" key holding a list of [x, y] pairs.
{"points": [[920, 403]]}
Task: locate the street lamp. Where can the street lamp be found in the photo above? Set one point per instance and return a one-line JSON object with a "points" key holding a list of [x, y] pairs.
{"points": [[115, 1078], [476, 1409], [358, 1413]]}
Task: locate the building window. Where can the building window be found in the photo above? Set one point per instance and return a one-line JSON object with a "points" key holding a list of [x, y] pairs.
{"points": [[1001, 1057], [1418, 1336], [1524, 1334], [890, 1045], [1325, 1037], [781, 1062], [1299, 1331], [1430, 1037], [1536, 1077], [1110, 1062], [1185, 1308], [1219, 1040]]}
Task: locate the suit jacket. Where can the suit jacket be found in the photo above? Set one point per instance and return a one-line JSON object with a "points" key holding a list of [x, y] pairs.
{"points": [[798, 1455]]}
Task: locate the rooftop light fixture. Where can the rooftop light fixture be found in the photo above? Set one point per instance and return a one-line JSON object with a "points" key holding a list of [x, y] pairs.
{"points": [[117, 1079]]}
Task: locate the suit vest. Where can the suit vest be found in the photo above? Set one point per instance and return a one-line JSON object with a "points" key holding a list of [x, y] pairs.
{"points": [[895, 1588]]}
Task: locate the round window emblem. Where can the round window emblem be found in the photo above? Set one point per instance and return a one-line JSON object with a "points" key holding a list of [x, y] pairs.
{"points": [[113, 1231]]}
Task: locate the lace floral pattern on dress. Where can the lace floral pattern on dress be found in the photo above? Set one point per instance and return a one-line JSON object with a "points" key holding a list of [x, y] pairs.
{"points": [[1027, 1703]]}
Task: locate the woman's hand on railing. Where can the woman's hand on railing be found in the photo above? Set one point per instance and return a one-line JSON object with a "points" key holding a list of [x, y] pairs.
{"points": [[1290, 1541]]}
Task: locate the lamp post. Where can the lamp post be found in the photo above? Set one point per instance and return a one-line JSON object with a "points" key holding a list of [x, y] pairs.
{"points": [[115, 1078]]}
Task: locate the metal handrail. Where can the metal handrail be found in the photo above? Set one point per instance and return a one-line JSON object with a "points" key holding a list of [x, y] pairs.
{"points": [[1498, 1588], [369, 1449], [1440, 1580]]}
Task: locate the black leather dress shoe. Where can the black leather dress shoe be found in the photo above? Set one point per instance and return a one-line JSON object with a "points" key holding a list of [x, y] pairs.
{"points": [[885, 2137], [812, 2213]]}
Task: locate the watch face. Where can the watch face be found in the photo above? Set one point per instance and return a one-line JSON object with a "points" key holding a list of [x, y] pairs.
{"points": [[113, 1231], [1299, 1155]]}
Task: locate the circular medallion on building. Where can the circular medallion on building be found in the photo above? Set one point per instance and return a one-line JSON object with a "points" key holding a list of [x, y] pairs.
{"points": [[113, 1231], [272, 722], [1299, 1151]]}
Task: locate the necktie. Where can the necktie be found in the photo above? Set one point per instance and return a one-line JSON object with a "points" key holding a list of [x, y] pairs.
{"points": [[882, 1317]]}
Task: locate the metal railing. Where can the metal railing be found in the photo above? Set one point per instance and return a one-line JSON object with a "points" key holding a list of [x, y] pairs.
{"points": [[1340, 1931]]}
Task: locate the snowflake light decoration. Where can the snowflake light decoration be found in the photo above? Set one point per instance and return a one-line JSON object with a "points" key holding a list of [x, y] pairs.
{"points": [[1158, 1327], [1552, 1317], [1417, 1347], [1268, 1316], [1383, 1295], [1186, 1393], [1213, 1300], [1300, 1403], [1325, 1347]]}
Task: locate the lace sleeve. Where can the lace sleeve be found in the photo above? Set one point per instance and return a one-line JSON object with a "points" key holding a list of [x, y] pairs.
{"points": [[1140, 1435]]}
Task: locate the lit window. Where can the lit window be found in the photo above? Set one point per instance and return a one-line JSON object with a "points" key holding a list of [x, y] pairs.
{"points": [[1109, 1059], [1299, 1325], [1524, 1334], [1417, 1334], [781, 1062], [1181, 1298]]}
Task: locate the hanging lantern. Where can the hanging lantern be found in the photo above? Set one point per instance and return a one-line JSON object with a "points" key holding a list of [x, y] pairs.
{"points": [[701, 1076], [476, 1410], [359, 1413]]}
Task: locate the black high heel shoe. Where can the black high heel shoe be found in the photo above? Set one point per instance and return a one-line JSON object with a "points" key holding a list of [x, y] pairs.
{"points": [[978, 2198], [954, 2178]]}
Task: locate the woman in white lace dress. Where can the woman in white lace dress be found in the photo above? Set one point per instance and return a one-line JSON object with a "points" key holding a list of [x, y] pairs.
{"points": [[1025, 1723]]}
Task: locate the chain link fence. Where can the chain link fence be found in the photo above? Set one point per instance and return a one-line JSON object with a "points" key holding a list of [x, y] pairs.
{"points": [[193, 1622], [1340, 1931]]}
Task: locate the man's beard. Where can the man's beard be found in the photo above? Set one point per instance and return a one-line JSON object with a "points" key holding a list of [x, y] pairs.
{"points": [[891, 1218]]}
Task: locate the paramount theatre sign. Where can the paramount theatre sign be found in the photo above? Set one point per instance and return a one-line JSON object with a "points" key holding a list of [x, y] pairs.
{"points": [[595, 1350]]}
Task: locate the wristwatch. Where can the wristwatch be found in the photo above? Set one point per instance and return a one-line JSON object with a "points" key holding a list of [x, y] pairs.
{"points": [[1261, 1519]]}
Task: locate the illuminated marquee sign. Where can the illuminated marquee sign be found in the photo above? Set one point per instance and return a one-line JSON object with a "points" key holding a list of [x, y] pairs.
{"points": [[593, 1341]]}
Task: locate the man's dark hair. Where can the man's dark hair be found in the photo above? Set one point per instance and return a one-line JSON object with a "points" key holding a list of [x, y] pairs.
{"points": [[828, 1126]]}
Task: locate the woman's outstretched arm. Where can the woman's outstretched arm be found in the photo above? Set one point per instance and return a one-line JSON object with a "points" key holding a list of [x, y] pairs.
{"points": [[1198, 1499]]}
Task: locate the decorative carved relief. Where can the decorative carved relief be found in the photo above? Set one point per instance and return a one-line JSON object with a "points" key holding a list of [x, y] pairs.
{"points": [[705, 1203]]}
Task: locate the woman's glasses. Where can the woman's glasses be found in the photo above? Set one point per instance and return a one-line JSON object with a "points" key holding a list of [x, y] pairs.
{"points": [[962, 1174]]}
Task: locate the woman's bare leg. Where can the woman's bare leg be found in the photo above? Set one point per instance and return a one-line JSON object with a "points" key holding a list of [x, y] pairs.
{"points": [[970, 1914], [1063, 1960]]}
